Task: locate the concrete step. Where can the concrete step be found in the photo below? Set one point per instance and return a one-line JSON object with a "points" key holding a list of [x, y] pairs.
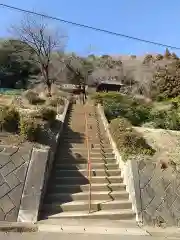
{"points": [[101, 145], [92, 130], [94, 187], [84, 150], [84, 205], [84, 172], [78, 141], [82, 180], [91, 136], [77, 160], [68, 188], [83, 145], [85, 154], [81, 196], [102, 165], [83, 141], [92, 223], [104, 214]]}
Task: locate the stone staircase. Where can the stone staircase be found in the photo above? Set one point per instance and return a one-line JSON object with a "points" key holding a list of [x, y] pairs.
{"points": [[68, 190]]}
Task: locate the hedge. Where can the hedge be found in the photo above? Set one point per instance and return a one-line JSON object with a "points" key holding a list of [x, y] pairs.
{"points": [[129, 141]]}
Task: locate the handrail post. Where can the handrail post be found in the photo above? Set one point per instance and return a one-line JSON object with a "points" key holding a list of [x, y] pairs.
{"points": [[89, 161], [89, 188]]}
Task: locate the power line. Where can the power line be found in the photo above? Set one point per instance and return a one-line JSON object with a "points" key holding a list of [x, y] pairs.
{"points": [[89, 27]]}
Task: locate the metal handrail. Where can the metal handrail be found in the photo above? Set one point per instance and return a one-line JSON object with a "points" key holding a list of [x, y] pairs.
{"points": [[89, 160]]}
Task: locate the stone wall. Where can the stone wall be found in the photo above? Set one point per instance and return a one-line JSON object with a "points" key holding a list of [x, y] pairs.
{"points": [[160, 193], [14, 163], [154, 190]]}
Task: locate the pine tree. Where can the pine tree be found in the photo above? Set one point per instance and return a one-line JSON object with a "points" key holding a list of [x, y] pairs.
{"points": [[167, 53], [174, 56]]}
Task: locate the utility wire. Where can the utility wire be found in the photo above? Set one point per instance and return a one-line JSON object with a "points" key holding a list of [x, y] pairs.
{"points": [[89, 27]]}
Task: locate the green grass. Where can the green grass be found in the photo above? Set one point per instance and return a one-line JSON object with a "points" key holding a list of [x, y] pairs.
{"points": [[7, 91]]}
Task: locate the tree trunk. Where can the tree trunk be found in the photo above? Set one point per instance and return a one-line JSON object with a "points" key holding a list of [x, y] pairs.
{"points": [[47, 80], [49, 89]]}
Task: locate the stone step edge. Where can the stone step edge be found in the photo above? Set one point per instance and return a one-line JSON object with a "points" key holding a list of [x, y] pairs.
{"points": [[92, 185], [92, 158], [85, 170], [86, 202], [81, 229], [93, 177], [109, 193], [94, 163], [97, 213], [94, 148]]}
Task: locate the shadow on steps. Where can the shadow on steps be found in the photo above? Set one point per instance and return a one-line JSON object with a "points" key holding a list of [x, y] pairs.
{"points": [[61, 186]]}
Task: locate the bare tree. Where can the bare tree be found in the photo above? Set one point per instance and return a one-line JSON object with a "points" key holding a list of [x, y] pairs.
{"points": [[78, 69], [43, 40]]}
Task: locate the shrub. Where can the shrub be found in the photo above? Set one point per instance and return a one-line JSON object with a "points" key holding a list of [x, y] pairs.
{"points": [[157, 116], [147, 59], [121, 124], [174, 56], [175, 102], [54, 102], [112, 110], [129, 141], [110, 96], [150, 125], [159, 57], [48, 114], [29, 128], [132, 110], [161, 97], [166, 81], [138, 115], [33, 97], [117, 97], [136, 110], [172, 120], [167, 119], [98, 98], [9, 118], [132, 143]]}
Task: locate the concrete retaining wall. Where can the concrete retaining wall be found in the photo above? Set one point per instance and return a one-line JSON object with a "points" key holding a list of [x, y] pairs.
{"points": [[160, 194], [14, 162], [37, 176], [153, 190], [129, 170]]}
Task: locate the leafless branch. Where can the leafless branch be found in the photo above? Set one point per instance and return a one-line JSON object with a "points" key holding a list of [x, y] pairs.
{"points": [[44, 42]]}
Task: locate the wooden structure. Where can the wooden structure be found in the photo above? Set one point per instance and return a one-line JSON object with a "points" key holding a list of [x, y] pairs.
{"points": [[106, 86]]}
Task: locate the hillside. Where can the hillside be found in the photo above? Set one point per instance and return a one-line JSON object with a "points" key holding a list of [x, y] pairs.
{"points": [[138, 73], [149, 75]]}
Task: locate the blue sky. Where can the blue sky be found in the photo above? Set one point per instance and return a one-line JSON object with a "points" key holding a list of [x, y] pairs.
{"points": [[156, 20]]}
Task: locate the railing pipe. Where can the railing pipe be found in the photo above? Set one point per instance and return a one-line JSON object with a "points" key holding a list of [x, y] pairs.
{"points": [[89, 160]]}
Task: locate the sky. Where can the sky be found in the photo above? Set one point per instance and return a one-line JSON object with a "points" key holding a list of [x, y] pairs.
{"points": [[154, 20]]}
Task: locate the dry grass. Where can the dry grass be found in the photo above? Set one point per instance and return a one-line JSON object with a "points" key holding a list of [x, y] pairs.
{"points": [[25, 108], [11, 139], [166, 143], [6, 99], [162, 105], [18, 228]]}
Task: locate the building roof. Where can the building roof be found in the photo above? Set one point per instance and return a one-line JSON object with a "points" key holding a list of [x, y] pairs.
{"points": [[111, 82]]}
